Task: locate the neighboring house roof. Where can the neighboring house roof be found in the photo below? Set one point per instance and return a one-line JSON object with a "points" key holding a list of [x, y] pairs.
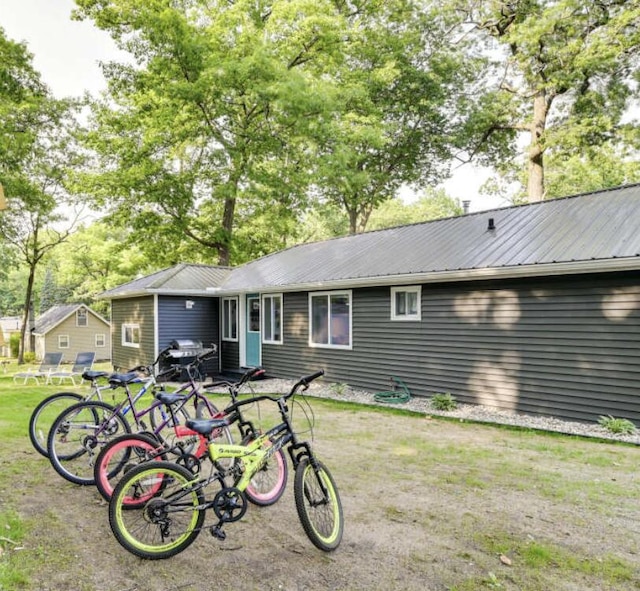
{"points": [[9, 324], [593, 232], [57, 314], [181, 279]]}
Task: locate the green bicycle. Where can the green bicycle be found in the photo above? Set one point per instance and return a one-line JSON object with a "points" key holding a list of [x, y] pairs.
{"points": [[158, 509]]}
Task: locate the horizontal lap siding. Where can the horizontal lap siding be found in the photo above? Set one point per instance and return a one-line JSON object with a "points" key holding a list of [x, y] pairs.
{"points": [[564, 347], [133, 311], [198, 322]]}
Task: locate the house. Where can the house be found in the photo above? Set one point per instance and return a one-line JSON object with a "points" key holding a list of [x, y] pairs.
{"points": [[149, 313], [533, 308], [8, 325], [71, 329]]}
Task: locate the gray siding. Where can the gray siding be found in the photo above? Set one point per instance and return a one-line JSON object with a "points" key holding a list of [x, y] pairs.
{"points": [[230, 355], [563, 347], [132, 311], [198, 322]]}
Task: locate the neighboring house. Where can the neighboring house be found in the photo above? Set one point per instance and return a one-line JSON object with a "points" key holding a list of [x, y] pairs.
{"points": [[8, 325], [533, 308], [147, 314], [72, 329]]}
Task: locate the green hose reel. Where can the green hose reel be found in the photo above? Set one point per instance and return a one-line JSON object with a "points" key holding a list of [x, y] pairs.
{"points": [[398, 395]]}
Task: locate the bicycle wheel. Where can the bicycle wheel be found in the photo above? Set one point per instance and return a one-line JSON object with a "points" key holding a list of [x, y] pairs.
{"points": [[169, 518], [43, 416], [77, 436], [320, 511], [268, 484], [122, 454]]}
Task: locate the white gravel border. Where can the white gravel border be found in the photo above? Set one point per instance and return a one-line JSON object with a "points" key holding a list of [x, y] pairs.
{"points": [[464, 412]]}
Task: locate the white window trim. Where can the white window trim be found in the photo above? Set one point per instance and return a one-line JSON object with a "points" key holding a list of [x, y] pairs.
{"points": [[272, 296], [328, 294], [417, 289], [63, 336], [104, 339], [124, 332], [225, 320]]}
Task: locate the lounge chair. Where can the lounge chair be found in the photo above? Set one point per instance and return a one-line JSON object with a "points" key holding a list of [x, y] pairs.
{"points": [[84, 361], [50, 364]]}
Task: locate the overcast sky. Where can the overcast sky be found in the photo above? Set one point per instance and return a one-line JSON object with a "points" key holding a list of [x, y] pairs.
{"points": [[67, 55]]}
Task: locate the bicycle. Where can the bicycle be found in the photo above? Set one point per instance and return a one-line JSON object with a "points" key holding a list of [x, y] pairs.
{"points": [[46, 412], [80, 431], [126, 451], [169, 506]]}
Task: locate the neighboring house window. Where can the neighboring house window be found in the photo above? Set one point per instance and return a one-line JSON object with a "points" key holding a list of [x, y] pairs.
{"points": [[63, 341], [82, 318], [405, 303], [101, 340], [330, 319], [272, 319], [131, 335], [230, 319]]}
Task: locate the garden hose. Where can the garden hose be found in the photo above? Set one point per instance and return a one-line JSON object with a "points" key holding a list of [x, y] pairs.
{"points": [[395, 396]]}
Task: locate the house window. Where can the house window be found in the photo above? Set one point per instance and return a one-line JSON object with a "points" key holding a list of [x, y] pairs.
{"points": [[63, 341], [131, 335], [82, 318], [230, 319], [330, 319], [272, 319], [101, 340], [405, 303]]}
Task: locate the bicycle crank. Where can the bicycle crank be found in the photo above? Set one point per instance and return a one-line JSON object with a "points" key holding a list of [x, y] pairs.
{"points": [[230, 504]]}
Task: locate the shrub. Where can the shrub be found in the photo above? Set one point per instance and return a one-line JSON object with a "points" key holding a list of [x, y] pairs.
{"points": [[617, 426], [444, 402], [29, 356], [339, 388], [14, 344]]}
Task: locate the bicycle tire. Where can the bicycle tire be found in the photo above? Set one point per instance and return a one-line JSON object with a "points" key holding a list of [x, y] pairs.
{"points": [[73, 444], [120, 455], [269, 483], [321, 517], [151, 532], [45, 414]]}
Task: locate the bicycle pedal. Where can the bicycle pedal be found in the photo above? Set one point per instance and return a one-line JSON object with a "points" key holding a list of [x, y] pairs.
{"points": [[216, 532]]}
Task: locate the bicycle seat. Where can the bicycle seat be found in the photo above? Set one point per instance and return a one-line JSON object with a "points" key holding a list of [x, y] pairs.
{"points": [[205, 426], [120, 379], [92, 374], [169, 397]]}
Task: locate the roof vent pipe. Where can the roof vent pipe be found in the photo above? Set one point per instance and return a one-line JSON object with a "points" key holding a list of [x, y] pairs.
{"points": [[492, 225]]}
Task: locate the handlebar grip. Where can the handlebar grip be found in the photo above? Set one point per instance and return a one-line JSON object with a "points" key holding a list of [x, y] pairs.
{"points": [[308, 379]]}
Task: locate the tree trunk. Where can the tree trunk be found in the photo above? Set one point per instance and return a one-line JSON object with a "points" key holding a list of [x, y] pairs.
{"points": [[24, 332], [224, 251], [535, 179]]}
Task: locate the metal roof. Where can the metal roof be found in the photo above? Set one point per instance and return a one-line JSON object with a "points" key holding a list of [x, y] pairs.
{"points": [[56, 314], [181, 279], [591, 232]]}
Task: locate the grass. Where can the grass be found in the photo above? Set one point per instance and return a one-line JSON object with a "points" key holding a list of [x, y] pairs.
{"points": [[553, 470]]}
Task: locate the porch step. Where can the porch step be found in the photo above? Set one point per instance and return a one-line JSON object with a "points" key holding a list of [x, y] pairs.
{"points": [[234, 374]]}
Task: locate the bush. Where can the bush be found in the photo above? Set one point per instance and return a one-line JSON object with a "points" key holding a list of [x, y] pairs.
{"points": [[14, 344], [617, 426], [444, 402], [29, 356]]}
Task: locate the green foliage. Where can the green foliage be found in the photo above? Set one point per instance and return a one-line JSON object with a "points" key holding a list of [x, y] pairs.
{"points": [[444, 402], [617, 425], [29, 357], [14, 344], [339, 388], [562, 76]]}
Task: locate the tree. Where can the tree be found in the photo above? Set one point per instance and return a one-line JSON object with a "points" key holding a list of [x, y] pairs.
{"points": [[211, 125], [565, 74], [37, 189], [401, 115]]}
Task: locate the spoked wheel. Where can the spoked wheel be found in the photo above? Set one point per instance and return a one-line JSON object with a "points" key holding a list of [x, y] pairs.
{"points": [[168, 518], [318, 505], [122, 454], [269, 483], [44, 415], [77, 436]]}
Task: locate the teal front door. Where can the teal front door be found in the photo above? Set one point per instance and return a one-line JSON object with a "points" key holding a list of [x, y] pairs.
{"points": [[253, 331]]}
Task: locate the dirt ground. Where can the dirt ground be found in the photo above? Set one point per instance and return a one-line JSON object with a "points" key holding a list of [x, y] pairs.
{"points": [[428, 504]]}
